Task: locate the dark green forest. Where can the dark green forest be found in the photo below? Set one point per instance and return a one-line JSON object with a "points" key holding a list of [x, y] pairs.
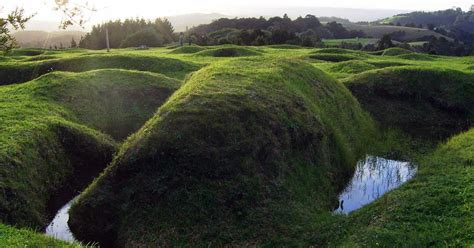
{"points": [[130, 33]]}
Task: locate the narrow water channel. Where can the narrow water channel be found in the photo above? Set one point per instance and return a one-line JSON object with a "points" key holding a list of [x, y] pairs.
{"points": [[373, 177], [58, 228]]}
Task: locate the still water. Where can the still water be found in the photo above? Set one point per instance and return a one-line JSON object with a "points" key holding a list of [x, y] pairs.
{"points": [[58, 228], [373, 177]]}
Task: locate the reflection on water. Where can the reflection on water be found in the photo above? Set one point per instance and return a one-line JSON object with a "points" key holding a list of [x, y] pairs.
{"points": [[374, 177], [58, 228]]}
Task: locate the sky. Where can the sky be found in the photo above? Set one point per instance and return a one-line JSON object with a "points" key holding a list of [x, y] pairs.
{"points": [[113, 9]]}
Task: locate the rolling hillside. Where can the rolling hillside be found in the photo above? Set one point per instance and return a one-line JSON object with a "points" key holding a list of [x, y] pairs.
{"points": [[233, 146]]}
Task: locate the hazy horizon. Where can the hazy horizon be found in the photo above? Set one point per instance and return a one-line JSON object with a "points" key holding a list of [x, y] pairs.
{"points": [[110, 9]]}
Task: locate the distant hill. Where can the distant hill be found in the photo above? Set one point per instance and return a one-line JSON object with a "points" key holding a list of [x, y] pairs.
{"points": [[452, 22], [398, 33], [180, 22], [325, 14], [352, 14], [42, 39]]}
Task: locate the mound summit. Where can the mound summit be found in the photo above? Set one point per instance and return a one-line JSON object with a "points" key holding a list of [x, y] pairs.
{"points": [[243, 143]]}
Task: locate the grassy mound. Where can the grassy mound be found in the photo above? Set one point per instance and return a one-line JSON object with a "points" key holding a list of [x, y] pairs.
{"points": [[329, 57], [26, 52], [47, 146], [351, 67], [116, 102], [40, 58], [11, 237], [23, 72], [229, 52], [416, 57], [395, 51], [336, 51], [427, 102], [285, 47], [243, 151], [435, 209], [187, 50], [387, 63]]}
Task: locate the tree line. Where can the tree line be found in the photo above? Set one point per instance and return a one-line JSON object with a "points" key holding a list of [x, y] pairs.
{"points": [[454, 23], [306, 31], [130, 33]]}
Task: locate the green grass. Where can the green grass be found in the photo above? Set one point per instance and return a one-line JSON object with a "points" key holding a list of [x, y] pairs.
{"points": [[338, 42], [433, 103], [187, 50], [12, 237], [231, 157], [260, 145], [435, 209], [54, 133], [18, 72], [230, 51], [394, 51]]}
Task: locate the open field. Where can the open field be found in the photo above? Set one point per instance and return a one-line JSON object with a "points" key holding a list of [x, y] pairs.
{"points": [[377, 31], [233, 146]]}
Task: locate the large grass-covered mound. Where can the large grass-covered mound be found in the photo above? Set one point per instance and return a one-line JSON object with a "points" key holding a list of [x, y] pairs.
{"points": [[18, 72], [333, 57], [426, 102], [50, 139], [395, 51], [187, 49], [242, 153], [351, 67], [116, 102], [230, 51]]}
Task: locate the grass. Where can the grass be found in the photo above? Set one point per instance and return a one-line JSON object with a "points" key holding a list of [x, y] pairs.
{"points": [[187, 49], [427, 102], [231, 51], [260, 139], [18, 72], [394, 51], [338, 42], [432, 210], [55, 134], [12, 237], [231, 157]]}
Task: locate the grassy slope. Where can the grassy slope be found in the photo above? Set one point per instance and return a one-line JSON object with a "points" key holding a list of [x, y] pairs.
{"points": [[24, 69], [46, 140], [432, 103], [374, 224], [12, 237], [377, 31], [435, 209], [241, 154]]}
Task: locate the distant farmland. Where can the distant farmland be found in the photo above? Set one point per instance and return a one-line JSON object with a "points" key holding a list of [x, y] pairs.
{"points": [[377, 31]]}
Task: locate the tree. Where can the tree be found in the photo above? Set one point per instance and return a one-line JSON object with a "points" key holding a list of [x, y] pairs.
{"points": [[385, 42], [16, 20], [73, 43], [73, 14], [147, 37]]}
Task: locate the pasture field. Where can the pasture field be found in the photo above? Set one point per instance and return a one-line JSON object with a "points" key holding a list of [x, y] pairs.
{"points": [[233, 146]]}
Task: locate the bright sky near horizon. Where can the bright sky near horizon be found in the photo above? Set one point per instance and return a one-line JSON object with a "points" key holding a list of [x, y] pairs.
{"points": [[112, 9]]}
